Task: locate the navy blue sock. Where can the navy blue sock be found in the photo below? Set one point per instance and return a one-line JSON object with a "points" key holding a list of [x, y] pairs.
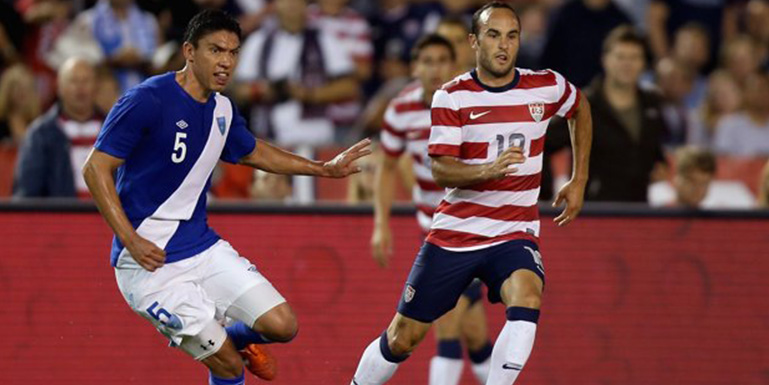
{"points": [[214, 380], [450, 349], [386, 353], [516, 313], [242, 335], [482, 354]]}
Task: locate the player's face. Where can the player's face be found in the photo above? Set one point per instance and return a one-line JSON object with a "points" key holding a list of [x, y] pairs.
{"points": [[624, 63], [215, 59], [433, 67], [458, 37], [497, 42]]}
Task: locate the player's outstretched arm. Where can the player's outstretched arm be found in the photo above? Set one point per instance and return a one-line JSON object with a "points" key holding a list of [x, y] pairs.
{"points": [[450, 172], [98, 172], [573, 192], [381, 239], [279, 161]]}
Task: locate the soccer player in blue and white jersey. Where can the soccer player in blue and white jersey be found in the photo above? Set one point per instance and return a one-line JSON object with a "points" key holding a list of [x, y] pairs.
{"points": [[164, 138]]}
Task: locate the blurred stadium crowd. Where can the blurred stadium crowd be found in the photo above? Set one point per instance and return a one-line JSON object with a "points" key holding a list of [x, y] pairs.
{"points": [[680, 90]]}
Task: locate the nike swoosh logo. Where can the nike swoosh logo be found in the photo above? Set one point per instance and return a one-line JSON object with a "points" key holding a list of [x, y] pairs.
{"points": [[511, 366], [474, 116]]}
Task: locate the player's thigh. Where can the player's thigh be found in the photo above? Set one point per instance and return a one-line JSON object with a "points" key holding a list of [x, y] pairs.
{"points": [[437, 279], [514, 268], [238, 289]]}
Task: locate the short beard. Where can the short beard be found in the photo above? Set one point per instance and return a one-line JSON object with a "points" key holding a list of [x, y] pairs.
{"points": [[486, 64]]}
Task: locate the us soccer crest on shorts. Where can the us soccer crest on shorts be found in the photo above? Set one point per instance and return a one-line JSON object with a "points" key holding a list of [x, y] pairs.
{"points": [[408, 294]]}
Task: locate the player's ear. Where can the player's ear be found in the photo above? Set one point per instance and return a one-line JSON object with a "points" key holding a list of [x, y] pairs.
{"points": [[473, 40], [187, 51]]}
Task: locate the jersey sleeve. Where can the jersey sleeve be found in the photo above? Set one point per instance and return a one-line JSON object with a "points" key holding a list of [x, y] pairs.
{"points": [[446, 129], [130, 119], [240, 141], [568, 97], [393, 140]]}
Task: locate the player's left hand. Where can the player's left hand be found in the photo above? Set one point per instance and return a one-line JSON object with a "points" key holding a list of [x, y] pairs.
{"points": [[342, 165], [573, 193]]}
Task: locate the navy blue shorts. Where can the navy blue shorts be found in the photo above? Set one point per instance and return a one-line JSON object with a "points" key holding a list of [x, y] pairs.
{"points": [[439, 276]]}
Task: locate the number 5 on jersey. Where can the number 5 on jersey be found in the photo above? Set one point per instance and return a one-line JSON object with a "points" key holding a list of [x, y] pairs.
{"points": [[180, 148]]}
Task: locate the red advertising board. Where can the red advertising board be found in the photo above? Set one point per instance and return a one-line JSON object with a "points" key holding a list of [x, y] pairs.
{"points": [[628, 301]]}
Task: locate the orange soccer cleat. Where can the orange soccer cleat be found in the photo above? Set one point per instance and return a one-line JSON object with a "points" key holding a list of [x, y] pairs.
{"points": [[260, 362]]}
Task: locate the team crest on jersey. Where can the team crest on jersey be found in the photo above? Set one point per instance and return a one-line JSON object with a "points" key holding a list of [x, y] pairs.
{"points": [[222, 124], [537, 110], [408, 294]]}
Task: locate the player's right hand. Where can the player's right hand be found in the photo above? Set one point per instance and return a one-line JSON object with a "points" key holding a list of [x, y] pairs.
{"points": [[146, 253], [381, 245], [502, 166]]}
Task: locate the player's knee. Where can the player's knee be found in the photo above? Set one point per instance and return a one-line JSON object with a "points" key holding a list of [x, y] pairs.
{"points": [[402, 344], [279, 324], [286, 330], [284, 327], [403, 340], [531, 300]]}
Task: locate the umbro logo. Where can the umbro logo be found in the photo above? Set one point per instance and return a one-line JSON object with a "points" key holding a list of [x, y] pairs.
{"points": [[474, 116], [182, 124]]}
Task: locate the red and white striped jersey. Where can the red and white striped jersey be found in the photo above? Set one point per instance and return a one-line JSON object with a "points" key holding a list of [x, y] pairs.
{"points": [[475, 123], [406, 129]]}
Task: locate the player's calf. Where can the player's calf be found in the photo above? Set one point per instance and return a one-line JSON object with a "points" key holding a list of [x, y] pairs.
{"points": [[226, 363]]}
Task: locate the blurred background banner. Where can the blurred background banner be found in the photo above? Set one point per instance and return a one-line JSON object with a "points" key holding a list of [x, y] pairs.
{"points": [[632, 298]]}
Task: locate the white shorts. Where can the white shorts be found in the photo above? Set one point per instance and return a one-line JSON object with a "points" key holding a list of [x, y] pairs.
{"points": [[188, 301]]}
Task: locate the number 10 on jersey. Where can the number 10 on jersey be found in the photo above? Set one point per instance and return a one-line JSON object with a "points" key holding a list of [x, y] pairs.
{"points": [[515, 140]]}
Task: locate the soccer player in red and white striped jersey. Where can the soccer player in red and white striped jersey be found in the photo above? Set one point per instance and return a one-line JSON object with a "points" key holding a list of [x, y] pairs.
{"points": [[486, 144], [406, 130]]}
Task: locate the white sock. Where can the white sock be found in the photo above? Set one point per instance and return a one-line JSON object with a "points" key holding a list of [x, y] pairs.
{"points": [[445, 371], [511, 351], [373, 368], [481, 370]]}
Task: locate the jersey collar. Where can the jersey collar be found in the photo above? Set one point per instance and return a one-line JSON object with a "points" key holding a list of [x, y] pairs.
{"points": [[506, 87]]}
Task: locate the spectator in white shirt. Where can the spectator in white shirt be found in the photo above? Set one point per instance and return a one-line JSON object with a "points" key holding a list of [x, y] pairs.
{"points": [[746, 133]]}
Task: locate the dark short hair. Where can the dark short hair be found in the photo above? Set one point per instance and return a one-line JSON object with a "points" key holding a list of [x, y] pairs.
{"points": [[691, 158], [624, 34], [492, 5], [430, 40], [209, 21], [456, 21]]}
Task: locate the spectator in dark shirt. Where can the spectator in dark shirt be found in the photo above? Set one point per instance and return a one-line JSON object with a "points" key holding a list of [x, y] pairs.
{"points": [[628, 124], [574, 38]]}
